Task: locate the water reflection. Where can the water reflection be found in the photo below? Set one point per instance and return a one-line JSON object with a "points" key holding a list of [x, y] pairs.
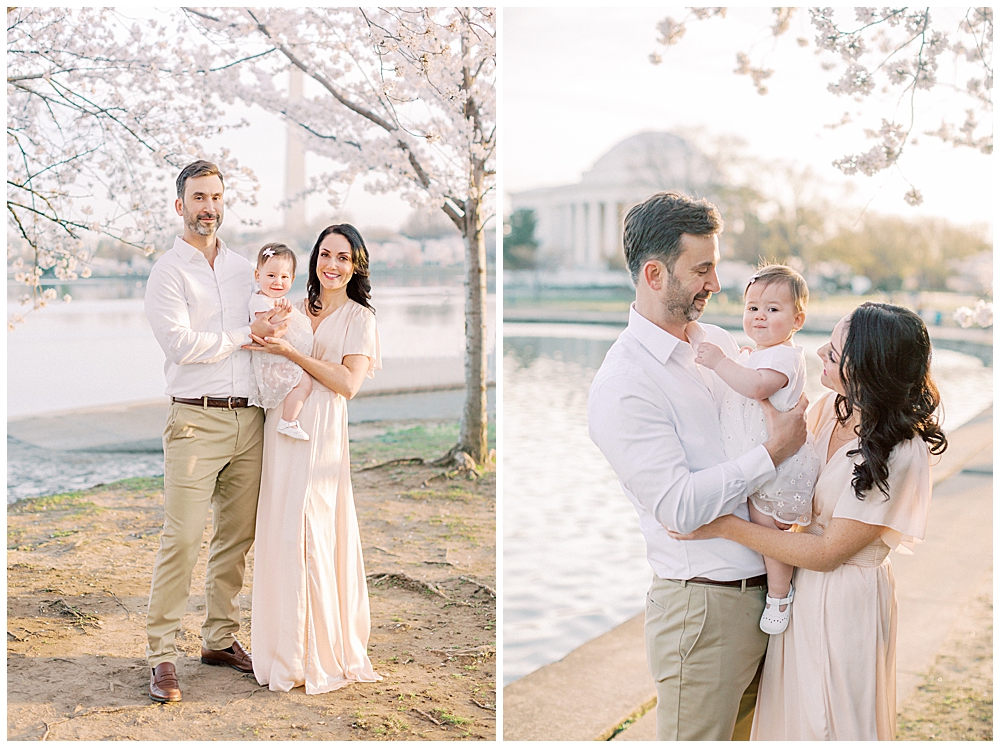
{"points": [[420, 312]]}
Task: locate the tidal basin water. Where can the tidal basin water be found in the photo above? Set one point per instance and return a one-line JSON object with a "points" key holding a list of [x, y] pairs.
{"points": [[574, 561], [96, 353], [87, 354]]}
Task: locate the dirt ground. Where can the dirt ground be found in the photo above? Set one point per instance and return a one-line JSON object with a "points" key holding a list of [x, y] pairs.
{"points": [[78, 576], [955, 701]]}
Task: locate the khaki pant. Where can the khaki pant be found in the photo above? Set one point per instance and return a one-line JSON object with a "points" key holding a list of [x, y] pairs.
{"points": [[211, 458], [705, 649]]}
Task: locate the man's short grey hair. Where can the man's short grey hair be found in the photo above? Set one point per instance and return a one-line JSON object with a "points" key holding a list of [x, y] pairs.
{"points": [[197, 169], [653, 228]]}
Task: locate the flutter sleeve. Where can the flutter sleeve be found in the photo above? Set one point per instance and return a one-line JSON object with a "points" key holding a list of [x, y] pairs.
{"points": [[904, 513], [362, 339], [820, 413], [790, 361], [259, 303]]}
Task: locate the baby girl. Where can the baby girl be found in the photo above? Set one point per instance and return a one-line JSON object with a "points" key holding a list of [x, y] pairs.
{"points": [[276, 379], [774, 309]]}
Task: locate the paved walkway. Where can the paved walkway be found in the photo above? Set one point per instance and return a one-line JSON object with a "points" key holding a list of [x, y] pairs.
{"points": [[138, 427], [597, 687]]}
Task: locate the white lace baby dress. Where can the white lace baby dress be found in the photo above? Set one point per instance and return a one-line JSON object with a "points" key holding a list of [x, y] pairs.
{"points": [[274, 376], [788, 496]]}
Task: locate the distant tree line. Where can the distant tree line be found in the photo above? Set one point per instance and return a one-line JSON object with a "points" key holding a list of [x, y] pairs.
{"points": [[520, 249], [894, 253]]}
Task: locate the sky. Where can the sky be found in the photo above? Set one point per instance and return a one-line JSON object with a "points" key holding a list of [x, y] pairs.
{"points": [[358, 206], [576, 82]]}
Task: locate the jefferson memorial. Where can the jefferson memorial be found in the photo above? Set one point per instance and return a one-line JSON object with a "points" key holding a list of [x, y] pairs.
{"points": [[579, 226]]}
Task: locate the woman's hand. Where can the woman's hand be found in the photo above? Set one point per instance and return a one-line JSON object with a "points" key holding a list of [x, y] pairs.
{"points": [[715, 529], [279, 346]]}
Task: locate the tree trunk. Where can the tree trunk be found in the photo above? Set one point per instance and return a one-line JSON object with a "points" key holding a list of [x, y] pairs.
{"points": [[472, 431]]}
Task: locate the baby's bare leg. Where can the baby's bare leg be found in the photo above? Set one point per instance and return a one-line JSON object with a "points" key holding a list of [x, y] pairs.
{"points": [[295, 399], [779, 574]]}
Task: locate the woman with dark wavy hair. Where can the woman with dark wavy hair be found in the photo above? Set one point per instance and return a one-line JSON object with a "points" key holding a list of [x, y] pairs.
{"points": [[359, 285], [832, 674], [311, 618]]}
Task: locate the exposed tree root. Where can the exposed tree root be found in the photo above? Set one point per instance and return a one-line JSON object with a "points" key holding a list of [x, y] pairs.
{"points": [[391, 463], [406, 582], [486, 587]]}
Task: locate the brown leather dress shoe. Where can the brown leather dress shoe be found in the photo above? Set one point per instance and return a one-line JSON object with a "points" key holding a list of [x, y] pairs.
{"points": [[238, 658], [163, 685]]}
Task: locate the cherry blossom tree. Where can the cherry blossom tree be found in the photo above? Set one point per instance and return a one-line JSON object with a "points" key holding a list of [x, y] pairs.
{"points": [[101, 106], [981, 315], [94, 117], [405, 97], [873, 49]]}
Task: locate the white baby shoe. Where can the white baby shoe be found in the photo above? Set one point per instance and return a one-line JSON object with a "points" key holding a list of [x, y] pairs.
{"points": [[773, 620], [292, 429]]}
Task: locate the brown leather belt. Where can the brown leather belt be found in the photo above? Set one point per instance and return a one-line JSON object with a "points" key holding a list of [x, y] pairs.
{"points": [[230, 403], [758, 581]]}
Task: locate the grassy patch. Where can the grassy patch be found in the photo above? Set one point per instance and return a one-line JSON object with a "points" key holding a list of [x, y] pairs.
{"points": [[428, 441], [391, 724], [455, 528], [74, 502], [142, 483], [453, 493], [451, 719], [77, 501], [952, 712]]}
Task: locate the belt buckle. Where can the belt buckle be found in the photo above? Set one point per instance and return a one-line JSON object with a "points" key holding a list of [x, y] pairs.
{"points": [[229, 402]]}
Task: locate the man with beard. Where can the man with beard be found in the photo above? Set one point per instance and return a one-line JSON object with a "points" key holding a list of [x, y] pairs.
{"points": [[196, 303], [654, 413]]}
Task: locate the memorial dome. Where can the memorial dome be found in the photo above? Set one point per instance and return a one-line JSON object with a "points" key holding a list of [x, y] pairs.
{"points": [[656, 161]]}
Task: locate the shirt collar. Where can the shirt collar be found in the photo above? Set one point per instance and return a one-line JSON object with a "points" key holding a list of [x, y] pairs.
{"points": [[655, 339], [187, 252]]}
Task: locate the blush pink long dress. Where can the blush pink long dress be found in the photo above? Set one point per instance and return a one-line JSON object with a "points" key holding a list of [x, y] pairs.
{"points": [[832, 674], [310, 616]]}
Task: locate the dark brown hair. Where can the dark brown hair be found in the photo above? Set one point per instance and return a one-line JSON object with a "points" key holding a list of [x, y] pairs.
{"points": [[653, 228], [885, 367], [197, 169], [275, 249], [359, 287]]}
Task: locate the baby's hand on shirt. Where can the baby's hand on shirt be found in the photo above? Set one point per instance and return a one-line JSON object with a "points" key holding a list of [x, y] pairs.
{"points": [[709, 354], [747, 349], [283, 304]]}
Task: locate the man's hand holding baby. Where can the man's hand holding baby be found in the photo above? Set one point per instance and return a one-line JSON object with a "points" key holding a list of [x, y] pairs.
{"points": [[271, 324]]}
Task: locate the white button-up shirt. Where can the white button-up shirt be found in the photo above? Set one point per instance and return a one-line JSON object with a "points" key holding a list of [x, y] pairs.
{"points": [[654, 413], [199, 317]]}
